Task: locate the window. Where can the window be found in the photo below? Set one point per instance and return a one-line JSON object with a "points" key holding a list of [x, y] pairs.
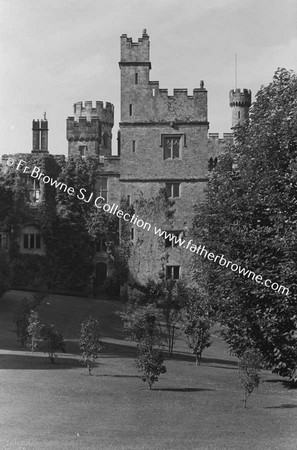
{"points": [[154, 92], [3, 241], [105, 139], [130, 109], [172, 272], [171, 147], [33, 187], [173, 242], [132, 234], [102, 188], [136, 78], [129, 199], [32, 241], [82, 150], [172, 189], [133, 146], [100, 244], [238, 115]]}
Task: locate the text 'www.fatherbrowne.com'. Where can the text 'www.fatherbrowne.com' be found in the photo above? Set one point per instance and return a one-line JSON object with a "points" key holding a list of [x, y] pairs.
{"points": [[200, 250]]}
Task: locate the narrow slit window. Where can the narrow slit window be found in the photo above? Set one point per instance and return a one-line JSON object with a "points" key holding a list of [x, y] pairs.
{"points": [[131, 109], [136, 78], [133, 146]]}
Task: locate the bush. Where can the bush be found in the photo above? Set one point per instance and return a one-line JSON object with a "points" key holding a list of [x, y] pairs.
{"points": [[53, 341]]}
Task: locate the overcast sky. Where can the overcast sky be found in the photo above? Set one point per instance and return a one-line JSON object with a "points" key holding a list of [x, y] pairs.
{"points": [[57, 52]]}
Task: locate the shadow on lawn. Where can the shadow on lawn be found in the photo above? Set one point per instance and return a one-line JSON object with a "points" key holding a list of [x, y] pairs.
{"points": [[34, 362], [118, 350], [183, 389], [286, 383], [117, 376], [283, 406], [205, 361]]}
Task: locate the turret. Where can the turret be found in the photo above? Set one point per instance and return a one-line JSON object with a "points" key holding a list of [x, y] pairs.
{"points": [[240, 102], [89, 131]]}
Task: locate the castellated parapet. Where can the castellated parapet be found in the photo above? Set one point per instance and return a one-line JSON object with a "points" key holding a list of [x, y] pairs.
{"points": [[240, 102], [142, 100], [89, 131], [132, 52], [86, 109], [240, 98]]}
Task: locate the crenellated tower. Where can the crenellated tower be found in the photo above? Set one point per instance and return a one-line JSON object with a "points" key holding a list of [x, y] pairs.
{"points": [[89, 131], [240, 102]]}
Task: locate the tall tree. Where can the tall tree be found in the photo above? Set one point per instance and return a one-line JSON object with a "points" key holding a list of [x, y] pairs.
{"points": [[250, 218]]}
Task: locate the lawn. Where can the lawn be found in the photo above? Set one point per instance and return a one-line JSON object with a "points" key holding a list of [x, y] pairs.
{"points": [[45, 406]]}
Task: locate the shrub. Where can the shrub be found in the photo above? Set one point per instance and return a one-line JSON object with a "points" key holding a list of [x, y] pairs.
{"points": [[53, 341]]}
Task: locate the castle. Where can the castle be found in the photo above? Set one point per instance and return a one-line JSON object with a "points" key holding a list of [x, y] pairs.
{"points": [[163, 142]]}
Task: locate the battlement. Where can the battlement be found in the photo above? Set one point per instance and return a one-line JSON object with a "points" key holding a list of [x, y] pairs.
{"points": [[101, 111], [240, 98], [177, 92], [135, 52], [83, 129]]}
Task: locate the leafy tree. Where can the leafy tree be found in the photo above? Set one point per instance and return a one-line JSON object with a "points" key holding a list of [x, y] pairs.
{"points": [[34, 329], [53, 341], [142, 326], [90, 342], [249, 366], [150, 363], [168, 296], [249, 217], [197, 322]]}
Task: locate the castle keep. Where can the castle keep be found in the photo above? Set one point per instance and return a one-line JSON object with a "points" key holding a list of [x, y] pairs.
{"points": [[163, 143]]}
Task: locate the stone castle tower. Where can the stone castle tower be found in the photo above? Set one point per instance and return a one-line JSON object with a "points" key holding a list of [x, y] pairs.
{"points": [[240, 102], [89, 131]]}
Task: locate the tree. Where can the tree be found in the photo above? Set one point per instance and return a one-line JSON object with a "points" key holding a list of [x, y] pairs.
{"points": [[249, 366], [5, 273], [34, 329], [142, 326], [90, 342], [197, 322], [249, 217], [21, 319], [53, 341], [168, 296], [150, 363]]}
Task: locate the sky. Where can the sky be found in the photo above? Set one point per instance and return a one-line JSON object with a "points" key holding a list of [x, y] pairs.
{"points": [[57, 52]]}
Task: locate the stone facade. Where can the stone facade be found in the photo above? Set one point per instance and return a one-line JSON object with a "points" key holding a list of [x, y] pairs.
{"points": [[163, 144]]}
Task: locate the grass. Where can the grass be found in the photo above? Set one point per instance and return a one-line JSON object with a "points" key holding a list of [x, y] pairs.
{"points": [[45, 406]]}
